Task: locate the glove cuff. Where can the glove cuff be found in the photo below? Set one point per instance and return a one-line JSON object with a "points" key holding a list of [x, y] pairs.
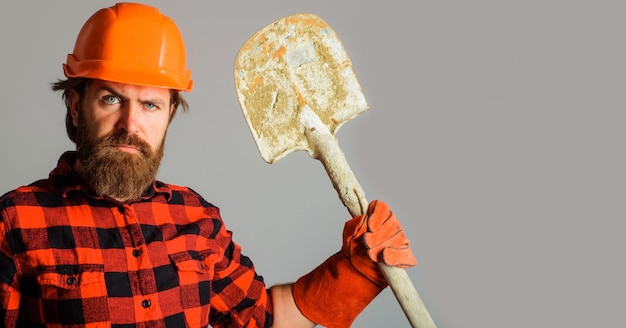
{"points": [[334, 293]]}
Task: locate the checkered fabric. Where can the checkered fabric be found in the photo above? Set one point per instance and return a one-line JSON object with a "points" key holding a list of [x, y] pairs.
{"points": [[71, 259]]}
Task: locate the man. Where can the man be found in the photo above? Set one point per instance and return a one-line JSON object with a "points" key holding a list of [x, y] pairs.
{"points": [[101, 243]]}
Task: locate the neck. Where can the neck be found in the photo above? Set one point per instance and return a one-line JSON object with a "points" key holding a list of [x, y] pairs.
{"points": [[78, 168]]}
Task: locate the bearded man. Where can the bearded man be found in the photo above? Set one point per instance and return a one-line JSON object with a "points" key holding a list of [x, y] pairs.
{"points": [[102, 243]]}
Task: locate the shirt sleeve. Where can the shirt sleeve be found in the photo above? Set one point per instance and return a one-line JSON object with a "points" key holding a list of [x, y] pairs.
{"points": [[9, 292], [239, 297]]}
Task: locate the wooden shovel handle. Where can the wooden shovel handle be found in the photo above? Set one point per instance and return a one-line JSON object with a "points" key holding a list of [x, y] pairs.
{"points": [[407, 296], [324, 147]]}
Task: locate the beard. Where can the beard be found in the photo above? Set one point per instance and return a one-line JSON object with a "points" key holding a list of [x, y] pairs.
{"points": [[114, 173]]}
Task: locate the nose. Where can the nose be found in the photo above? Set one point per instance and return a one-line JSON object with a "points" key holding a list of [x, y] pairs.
{"points": [[128, 118]]}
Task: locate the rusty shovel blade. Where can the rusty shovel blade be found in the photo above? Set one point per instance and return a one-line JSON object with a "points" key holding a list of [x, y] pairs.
{"points": [[293, 64]]}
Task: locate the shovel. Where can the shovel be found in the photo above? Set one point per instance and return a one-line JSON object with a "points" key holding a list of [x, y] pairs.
{"points": [[296, 87]]}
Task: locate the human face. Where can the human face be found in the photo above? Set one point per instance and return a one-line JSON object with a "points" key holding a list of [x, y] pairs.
{"points": [[120, 134], [109, 108]]}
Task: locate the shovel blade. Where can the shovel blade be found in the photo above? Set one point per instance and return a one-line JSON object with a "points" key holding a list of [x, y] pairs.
{"points": [[294, 62]]}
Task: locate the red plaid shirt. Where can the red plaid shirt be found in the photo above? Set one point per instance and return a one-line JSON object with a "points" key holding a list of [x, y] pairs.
{"points": [[68, 258]]}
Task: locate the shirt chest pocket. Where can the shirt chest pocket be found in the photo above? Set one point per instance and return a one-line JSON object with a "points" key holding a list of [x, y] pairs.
{"points": [[74, 294], [194, 277]]}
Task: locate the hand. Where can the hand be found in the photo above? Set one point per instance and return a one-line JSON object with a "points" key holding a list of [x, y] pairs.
{"points": [[385, 238], [376, 236], [335, 292]]}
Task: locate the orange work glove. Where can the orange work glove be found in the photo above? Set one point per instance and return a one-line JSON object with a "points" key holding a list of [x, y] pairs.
{"points": [[384, 237], [334, 293]]}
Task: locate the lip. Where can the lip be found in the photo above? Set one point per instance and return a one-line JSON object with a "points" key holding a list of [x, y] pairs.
{"points": [[127, 148]]}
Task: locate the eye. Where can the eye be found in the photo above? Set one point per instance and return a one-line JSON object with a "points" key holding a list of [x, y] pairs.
{"points": [[110, 99], [151, 106]]}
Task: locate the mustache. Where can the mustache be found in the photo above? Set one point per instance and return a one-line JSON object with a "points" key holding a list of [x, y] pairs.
{"points": [[123, 138]]}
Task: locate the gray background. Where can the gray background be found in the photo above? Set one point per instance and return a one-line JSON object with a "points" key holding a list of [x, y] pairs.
{"points": [[495, 133]]}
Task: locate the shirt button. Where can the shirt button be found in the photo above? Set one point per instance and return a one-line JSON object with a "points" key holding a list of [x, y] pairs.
{"points": [[70, 281], [136, 252], [145, 303], [121, 209]]}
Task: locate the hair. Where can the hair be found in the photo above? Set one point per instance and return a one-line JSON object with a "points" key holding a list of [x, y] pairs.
{"points": [[80, 85]]}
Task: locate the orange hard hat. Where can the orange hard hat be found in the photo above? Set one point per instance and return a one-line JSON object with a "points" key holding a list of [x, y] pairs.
{"points": [[130, 43]]}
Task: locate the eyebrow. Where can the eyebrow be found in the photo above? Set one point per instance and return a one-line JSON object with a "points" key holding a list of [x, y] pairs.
{"points": [[155, 101]]}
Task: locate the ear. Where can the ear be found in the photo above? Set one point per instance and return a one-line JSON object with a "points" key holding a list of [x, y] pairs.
{"points": [[172, 113], [73, 99]]}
